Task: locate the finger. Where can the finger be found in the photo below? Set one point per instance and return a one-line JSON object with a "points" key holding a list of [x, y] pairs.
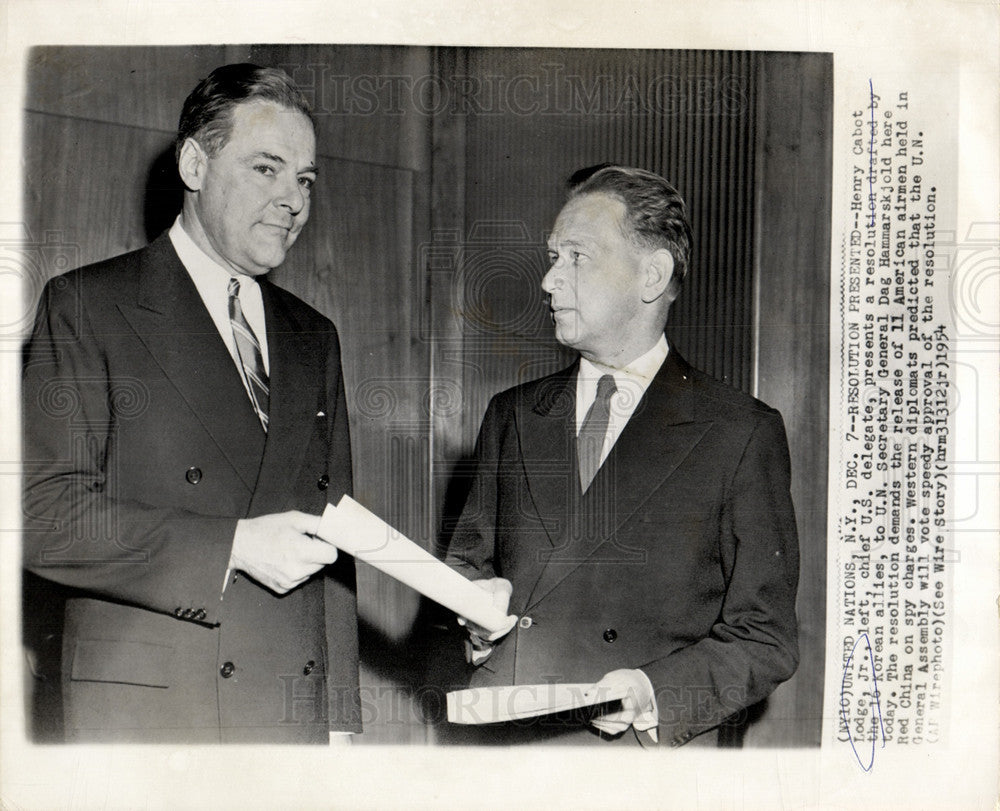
{"points": [[624, 717], [476, 630], [644, 721], [294, 582], [608, 727], [497, 635], [502, 590], [479, 643], [306, 523]]}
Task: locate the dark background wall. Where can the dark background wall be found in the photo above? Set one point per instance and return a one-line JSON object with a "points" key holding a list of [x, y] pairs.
{"points": [[441, 171]]}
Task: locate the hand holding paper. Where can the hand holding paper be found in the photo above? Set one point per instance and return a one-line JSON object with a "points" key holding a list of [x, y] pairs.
{"points": [[355, 530], [479, 645], [279, 550], [638, 703], [499, 590]]}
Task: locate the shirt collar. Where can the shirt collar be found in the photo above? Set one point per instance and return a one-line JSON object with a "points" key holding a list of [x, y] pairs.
{"points": [[203, 269], [642, 370]]}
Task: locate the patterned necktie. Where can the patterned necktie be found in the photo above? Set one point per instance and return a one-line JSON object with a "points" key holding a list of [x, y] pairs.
{"points": [[595, 427], [251, 359]]}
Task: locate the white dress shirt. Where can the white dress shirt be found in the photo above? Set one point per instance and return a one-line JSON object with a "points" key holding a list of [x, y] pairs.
{"points": [[212, 281], [631, 381]]}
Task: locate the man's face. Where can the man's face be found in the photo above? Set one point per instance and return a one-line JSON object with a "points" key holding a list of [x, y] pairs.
{"points": [[595, 281], [253, 197]]}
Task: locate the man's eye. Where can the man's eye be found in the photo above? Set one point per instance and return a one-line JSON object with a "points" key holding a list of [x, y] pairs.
{"points": [[265, 169], [307, 182], [577, 256], [553, 257]]}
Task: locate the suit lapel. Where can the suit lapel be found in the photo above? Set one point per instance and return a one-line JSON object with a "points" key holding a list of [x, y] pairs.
{"points": [[659, 436], [176, 329], [297, 378], [546, 426]]}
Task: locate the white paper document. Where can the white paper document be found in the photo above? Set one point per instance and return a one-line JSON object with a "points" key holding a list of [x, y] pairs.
{"points": [[359, 532], [488, 705]]}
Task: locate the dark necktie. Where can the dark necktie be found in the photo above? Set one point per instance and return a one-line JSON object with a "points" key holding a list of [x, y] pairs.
{"points": [[251, 359], [595, 427]]}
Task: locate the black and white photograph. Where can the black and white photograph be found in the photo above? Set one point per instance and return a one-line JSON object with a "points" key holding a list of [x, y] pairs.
{"points": [[464, 408], [444, 294]]}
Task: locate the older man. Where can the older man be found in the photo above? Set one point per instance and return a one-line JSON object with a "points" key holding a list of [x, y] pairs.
{"points": [[185, 423], [635, 510]]}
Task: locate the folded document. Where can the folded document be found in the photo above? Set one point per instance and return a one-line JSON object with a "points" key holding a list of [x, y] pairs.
{"points": [[487, 705], [361, 533]]}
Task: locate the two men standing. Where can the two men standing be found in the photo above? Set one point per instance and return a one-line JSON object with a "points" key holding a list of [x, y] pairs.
{"points": [[185, 425]]}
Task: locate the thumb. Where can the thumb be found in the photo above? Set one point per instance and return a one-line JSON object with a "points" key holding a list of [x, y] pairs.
{"points": [[502, 589]]}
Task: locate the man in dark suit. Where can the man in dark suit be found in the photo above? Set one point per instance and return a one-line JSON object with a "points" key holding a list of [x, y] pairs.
{"points": [[185, 424], [635, 510]]}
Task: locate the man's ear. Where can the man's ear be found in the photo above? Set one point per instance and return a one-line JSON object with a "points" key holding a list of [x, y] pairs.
{"points": [[659, 270], [191, 164]]}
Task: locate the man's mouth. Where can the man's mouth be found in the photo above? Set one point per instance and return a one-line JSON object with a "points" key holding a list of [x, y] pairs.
{"points": [[278, 226]]}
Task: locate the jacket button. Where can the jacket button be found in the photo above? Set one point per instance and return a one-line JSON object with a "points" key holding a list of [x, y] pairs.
{"points": [[227, 670], [524, 622], [200, 614], [193, 475], [308, 668], [610, 635], [323, 482], [178, 612]]}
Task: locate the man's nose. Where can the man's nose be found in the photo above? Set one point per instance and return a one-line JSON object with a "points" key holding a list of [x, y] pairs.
{"points": [[292, 197], [552, 278]]}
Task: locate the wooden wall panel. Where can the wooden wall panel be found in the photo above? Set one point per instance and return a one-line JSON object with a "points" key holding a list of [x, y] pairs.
{"points": [[361, 95], [142, 87], [688, 115], [69, 184], [366, 99], [793, 270]]}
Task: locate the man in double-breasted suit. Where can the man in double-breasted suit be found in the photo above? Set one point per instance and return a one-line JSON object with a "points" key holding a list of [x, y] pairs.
{"points": [[185, 424], [635, 511]]}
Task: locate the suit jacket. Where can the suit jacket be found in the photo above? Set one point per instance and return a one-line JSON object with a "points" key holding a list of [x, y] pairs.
{"points": [[681, 559], [141, 452]]}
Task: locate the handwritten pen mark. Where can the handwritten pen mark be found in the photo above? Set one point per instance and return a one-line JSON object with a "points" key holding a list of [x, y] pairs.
{"points": [[871, 155], [876, 703]]}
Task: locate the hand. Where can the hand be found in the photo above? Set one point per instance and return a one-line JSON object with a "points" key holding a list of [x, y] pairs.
{"points": [[500, 589], [479, 645], [638, 706], [280, 551]]}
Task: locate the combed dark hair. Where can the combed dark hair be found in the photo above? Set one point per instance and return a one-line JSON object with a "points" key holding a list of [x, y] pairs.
{"points": [[208, 112], [655, 214]]}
